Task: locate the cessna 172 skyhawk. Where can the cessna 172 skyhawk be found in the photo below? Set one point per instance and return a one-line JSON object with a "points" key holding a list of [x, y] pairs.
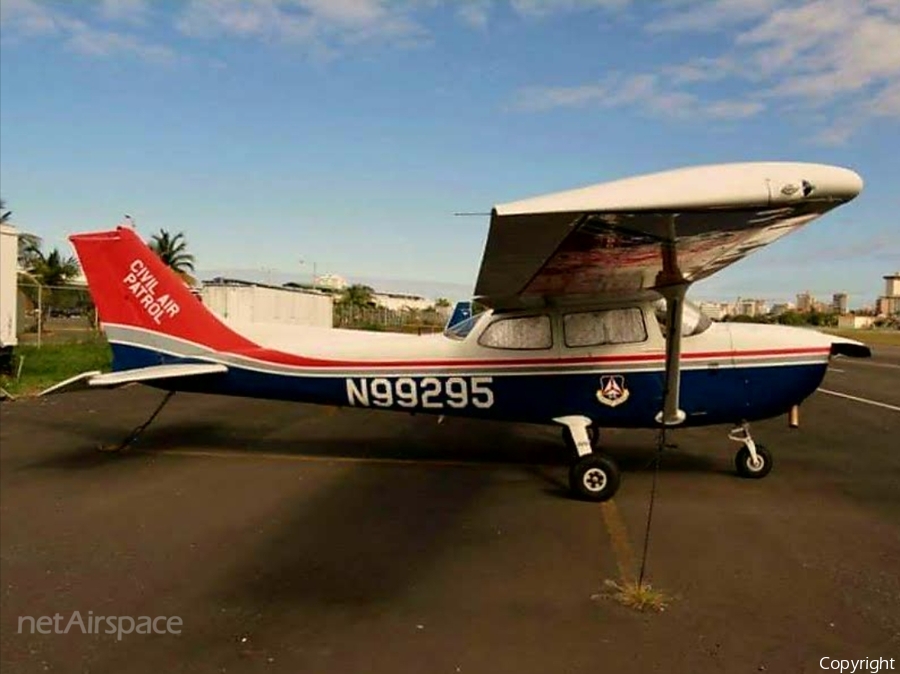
{"points": [[587, 325]]}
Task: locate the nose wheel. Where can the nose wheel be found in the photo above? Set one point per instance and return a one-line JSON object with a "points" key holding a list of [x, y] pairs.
{"points": [[752, 460], [593, 476]]}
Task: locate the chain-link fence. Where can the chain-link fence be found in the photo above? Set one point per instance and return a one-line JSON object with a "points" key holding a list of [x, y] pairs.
{"points": [[54, 314], [66, 314], [419, 321]]}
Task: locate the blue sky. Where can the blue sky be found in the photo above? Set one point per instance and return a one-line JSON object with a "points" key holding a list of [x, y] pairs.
{"points": [[348, 132]]}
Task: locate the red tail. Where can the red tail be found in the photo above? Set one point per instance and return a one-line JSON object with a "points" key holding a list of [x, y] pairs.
{"points": [[131, 286]]}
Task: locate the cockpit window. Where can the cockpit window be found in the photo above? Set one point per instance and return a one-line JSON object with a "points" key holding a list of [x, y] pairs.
{"points": [[462, 329], [693, 321], [611, 326], [523, 332]]}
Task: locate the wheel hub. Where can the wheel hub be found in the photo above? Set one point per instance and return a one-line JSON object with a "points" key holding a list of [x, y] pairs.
{"points": [[594, 479], [755, 463]]}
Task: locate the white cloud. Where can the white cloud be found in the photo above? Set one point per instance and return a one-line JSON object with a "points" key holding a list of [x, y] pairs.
{"points": [[28, 18], [645, 92], [836, 62], [712, 15], [126, 11], [547, 7], [475, 13], [322, 25]]}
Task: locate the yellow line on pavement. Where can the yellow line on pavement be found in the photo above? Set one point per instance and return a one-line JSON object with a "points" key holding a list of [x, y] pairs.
{"points": [[615, 527]]}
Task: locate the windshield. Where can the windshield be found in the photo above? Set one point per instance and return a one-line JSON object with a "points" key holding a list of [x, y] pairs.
{"points": [[693, 322], [462, 329]]}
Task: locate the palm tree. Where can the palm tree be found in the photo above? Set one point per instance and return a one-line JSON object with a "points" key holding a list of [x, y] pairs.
{"points": [[358, 295], [53, 269], [29, 245], [172, 250]]}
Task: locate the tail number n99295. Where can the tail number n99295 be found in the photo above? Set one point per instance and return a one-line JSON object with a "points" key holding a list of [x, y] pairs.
{"points": [[426, 393]]}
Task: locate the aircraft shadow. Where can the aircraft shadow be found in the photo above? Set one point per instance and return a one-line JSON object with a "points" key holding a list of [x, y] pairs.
{"points": [[475, 442]]}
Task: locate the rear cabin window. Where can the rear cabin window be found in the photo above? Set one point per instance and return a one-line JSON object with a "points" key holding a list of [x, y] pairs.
{"points": [[526, 332], [613, 326]]}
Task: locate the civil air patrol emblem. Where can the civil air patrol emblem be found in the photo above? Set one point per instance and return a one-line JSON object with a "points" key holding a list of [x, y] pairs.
{"points": [[613, 391]]}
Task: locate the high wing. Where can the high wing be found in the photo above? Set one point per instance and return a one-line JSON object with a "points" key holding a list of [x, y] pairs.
{"points": [[633, 237], [147, 375]]}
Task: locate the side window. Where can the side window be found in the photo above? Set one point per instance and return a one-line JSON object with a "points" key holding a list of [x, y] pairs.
{"points": [[614, 326], [527, 332]]}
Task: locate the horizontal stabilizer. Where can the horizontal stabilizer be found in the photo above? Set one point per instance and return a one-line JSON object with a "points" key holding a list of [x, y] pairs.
{"points": [[96, 379]]}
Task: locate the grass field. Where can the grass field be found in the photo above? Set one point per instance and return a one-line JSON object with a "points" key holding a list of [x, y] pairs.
{"points": [[52, 363], [872, 337]]}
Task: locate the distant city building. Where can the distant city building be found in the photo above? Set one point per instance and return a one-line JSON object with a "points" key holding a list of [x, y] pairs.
{"points": [[888, 306], [839, 303], [751, 307], [889, 303], [781, 308], [805, 302], [855, 322], [715, 311]]}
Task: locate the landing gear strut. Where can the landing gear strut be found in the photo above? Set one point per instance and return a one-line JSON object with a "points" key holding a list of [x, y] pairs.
{"points": [[752, 460], [592, 476]]}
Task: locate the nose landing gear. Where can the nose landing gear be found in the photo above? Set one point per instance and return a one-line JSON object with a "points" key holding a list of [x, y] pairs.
{"points": [[593, 476], [752, 460]]}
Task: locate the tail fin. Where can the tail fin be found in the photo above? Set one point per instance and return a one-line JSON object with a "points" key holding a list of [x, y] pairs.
{"points": [[133, 288]]}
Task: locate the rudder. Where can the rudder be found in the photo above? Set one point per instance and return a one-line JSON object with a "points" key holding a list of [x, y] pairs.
{"points": [[131, 287]]}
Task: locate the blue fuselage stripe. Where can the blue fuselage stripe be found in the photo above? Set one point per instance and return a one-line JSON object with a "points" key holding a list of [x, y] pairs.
{"points": [[713, 396]]}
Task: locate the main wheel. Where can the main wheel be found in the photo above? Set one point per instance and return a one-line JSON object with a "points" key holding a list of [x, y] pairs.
{"points": [[743, 462], [594, 477]]}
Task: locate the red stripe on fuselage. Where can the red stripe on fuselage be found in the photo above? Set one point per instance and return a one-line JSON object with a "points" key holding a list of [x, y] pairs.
{"points": [[282, 358]]}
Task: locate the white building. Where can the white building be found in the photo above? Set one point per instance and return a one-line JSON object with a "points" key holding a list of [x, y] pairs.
{"points": [[715, 311], [9, 251], [400, 301], [855, 322], [242, 303], [889, 303], [330, 282]]}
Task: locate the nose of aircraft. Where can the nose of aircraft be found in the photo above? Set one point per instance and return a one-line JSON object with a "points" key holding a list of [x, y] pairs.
{"points": [[761, 338]]}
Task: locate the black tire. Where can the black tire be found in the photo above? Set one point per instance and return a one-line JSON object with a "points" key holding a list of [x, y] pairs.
{"points": [[594, 477], [593, 436], [744, 463]]}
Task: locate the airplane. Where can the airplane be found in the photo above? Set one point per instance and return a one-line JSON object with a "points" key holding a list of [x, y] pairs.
{"points": [[587, 325]]}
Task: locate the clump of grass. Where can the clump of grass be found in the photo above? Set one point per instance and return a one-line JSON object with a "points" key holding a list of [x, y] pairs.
{"points": [[53, 363], [638, 597]]}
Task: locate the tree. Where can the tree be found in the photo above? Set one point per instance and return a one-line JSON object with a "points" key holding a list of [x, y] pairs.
{"points": [[442, 303], [172, 250], [29, 245], [53, 269], [358, 295]]}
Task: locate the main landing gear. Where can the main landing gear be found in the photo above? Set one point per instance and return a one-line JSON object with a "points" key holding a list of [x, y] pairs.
{"points": [[593, 476], [752, 460]]}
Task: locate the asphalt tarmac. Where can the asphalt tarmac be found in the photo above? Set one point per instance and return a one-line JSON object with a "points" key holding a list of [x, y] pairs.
{"points": [[294, 538]]}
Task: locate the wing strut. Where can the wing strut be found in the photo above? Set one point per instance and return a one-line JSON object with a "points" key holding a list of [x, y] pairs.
{"points": [[673, 288]]}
